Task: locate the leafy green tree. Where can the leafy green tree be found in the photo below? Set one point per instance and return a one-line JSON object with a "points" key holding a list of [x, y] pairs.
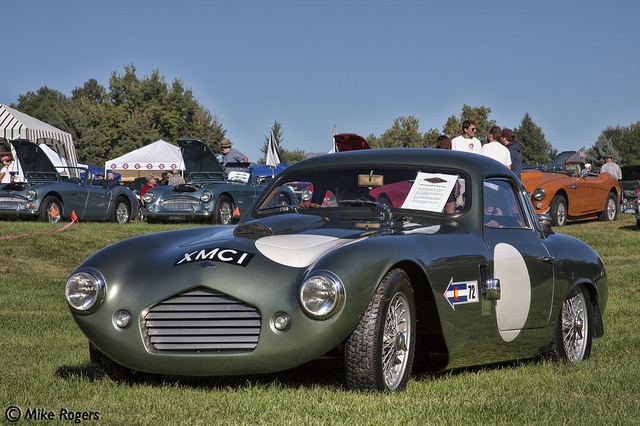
{"points": [[132, 113], [286, 156], [480, 115], [47, 105], [601, 149], [91, 91], [403, 134], [535, 148], [626, 141]]}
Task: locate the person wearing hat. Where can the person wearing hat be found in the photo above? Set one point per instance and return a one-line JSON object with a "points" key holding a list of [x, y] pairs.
{"points": [[231, 155], [610, 167], [176, 179], [5, 176], [515, 149], [100, 175], [152, 181]]}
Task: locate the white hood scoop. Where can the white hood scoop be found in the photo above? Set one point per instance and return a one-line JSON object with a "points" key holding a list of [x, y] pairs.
{"points": [[298, 251]]}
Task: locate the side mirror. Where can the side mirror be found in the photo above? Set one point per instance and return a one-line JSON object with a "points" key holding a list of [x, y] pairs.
{"points": [[545, 221]]}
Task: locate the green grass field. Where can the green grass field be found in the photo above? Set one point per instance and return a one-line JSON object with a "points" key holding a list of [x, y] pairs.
{"points": [[45, 370]]}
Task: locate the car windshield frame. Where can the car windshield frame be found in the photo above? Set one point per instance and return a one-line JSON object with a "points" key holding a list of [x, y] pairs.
{"points": [[391, 188]]}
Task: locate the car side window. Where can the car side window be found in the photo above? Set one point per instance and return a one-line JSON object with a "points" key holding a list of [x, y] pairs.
{"points": [[501, 206]]}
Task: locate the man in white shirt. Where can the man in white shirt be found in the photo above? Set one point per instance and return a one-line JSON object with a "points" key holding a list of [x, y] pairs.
{"points": [[495, 149], [467, 141], [611, 168]]}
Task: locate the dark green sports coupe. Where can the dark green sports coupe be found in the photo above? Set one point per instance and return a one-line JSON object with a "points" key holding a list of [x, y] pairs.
{"points": [[388, 258]]}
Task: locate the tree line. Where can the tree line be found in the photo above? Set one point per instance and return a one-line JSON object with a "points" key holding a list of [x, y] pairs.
{"points": [[135, 111]]}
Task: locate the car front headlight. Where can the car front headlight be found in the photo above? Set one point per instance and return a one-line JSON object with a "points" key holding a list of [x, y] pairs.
{"points": [[322, 295], [32, 194], [85, 290], [539, 194], [206, 196], [149, 196]]}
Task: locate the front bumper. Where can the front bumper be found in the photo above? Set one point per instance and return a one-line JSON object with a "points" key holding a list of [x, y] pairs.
{"points": [[172, 210], [14, 207]]}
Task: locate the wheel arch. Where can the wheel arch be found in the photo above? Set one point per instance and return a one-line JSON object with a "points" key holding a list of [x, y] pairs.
{"points": [[430, 338], [52, 194], [564, 195], [596, 314]]}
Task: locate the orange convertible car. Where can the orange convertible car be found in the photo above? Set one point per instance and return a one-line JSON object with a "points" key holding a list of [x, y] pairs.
{"points": [[573, 193]]}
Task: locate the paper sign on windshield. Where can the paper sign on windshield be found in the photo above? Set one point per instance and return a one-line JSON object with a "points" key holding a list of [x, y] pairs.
{"points": [[430, 192]]}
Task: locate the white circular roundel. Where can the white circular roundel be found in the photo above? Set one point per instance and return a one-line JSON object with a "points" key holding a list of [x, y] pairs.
{"points": [[512, 308]]}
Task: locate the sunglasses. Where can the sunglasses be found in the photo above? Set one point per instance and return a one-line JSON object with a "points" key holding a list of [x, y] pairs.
{"points": [[472, 130]]}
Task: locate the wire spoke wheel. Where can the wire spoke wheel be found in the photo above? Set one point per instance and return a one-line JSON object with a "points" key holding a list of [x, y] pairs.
{"points": [[575, 326], [394, 345], [379, 352]]}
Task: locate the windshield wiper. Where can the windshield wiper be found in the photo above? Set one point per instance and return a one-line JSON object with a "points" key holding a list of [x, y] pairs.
{"points": [[369, 203], [280, 208]]}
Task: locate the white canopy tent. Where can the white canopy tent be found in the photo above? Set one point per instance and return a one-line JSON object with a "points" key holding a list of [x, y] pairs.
{"points": [[15, 125], [159, 155]]}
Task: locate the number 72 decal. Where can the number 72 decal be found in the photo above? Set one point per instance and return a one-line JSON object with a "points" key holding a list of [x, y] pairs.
{"points": [[461, 292]]}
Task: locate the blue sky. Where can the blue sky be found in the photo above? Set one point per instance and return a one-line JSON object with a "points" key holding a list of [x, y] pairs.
{"points": [[574, 66]]}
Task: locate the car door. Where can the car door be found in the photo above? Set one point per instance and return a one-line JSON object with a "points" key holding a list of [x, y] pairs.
{"points": [[593, 196], [521, 261], [98, 201]]}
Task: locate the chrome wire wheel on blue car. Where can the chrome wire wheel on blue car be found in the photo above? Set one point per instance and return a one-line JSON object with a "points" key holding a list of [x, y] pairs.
{"points": [[50, 210], [121, 211], [223, 211], [379, 352]]}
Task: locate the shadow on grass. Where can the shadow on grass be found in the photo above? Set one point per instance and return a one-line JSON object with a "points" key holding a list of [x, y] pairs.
{"points": [[320, 373], [324, 373]]}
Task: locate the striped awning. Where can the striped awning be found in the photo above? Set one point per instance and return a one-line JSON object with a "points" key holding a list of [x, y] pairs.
{"points": [[18, 125]]}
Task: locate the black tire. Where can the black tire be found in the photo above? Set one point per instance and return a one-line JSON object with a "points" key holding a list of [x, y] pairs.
{"points": [[573, 336], [610, 212], [105, 368], [558, 211], [121, 211], [223, 211], [379, 352], [50, 210]]}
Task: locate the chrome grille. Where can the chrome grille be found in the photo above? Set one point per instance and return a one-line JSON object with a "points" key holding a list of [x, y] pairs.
{"points": [[202, 320], [179, 203], [10, 202]]}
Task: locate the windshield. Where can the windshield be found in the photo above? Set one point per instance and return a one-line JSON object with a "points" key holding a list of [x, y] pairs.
{"points": [[387, 188]]}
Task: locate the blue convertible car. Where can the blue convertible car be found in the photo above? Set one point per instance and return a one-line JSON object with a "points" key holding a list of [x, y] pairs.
{"points": [[48, 196], [209, 194]]}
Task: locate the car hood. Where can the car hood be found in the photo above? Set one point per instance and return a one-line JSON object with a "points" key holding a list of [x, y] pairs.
{"points": [[33, 160], [200, 162], [532, 179]]}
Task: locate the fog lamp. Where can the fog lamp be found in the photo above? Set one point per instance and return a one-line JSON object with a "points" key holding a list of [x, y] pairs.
{"points": [[281, 322], [122, 319]]}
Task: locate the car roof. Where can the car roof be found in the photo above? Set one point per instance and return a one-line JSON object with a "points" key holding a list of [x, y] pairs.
{"points": [[476, 165]]}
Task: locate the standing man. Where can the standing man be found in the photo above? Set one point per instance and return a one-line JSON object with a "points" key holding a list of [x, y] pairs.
{"points": [[495, 149], [231, 155], [610, 167], [515, 149], [467, 141]]}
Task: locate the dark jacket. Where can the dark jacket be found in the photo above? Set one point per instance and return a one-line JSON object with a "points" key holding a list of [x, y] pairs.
{"points": [[516, 157]]}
